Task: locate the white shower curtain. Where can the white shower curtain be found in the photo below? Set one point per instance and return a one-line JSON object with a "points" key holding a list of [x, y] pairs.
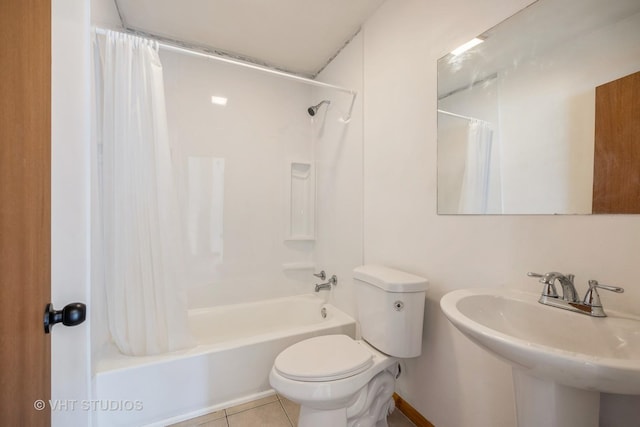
{"points": [[474, 194], [137, 249]]}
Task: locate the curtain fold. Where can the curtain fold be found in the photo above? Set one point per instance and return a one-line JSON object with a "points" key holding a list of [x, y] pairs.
{"points": [[474, 194], [138, 252]]}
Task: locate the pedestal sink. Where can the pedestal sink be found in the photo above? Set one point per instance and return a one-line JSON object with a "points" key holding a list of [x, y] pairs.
{"points": [[561, 360]]}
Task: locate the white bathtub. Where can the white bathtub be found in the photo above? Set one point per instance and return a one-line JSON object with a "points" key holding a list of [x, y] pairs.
{"points": [[236, 347]]}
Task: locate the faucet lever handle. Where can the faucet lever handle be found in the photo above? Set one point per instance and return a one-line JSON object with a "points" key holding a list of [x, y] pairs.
{"points": [[549, 289], [592, 297], [322, 275], [594, 284]]}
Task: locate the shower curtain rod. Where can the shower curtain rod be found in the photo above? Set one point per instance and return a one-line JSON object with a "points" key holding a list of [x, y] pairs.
{"points": [[460, 116], [174, 45]]}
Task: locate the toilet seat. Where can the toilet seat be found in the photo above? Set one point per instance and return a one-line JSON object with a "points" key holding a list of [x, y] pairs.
{"points": [[324, 358]]}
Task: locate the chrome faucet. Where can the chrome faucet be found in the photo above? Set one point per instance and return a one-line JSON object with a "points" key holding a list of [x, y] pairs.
{"points": [[569, 292], [332, 281], [322, 275], [591, 303]]}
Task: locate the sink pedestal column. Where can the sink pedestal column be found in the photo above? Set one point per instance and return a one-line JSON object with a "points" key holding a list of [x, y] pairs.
{"points": [[544, 403]]}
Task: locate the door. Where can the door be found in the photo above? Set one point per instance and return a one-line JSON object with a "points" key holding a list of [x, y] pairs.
{"points": [[25, 144], [616, 172]]}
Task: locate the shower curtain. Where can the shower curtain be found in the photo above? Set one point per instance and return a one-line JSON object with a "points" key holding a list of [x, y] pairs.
{"points": [[137, 247], [474, 194]]}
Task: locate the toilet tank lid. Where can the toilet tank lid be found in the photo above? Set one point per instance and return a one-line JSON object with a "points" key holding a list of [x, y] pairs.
{"points": [[389, 279]]}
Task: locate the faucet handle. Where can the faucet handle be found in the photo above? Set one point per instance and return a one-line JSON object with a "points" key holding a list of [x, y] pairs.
{"points": [[549, 289], [333, 281], [594, 284], [322, 275], [592, 298]]}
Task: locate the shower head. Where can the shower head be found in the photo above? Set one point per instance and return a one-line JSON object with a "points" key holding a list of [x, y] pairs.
{"points": [[313, 110]]}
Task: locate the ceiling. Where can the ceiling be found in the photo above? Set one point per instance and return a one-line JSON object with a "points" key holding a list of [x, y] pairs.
{"points": [[298, 36]]}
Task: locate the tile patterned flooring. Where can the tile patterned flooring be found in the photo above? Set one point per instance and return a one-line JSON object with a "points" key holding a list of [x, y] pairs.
{"points": [[271, 411]]}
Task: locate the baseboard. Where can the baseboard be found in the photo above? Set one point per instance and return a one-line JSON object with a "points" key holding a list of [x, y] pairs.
{"points": [[410, 412]]}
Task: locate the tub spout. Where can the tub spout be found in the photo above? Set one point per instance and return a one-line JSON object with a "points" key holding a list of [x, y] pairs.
{"points": [[332, 281]]}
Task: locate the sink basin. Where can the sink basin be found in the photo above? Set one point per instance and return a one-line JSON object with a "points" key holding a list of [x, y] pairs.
{"points": [[573, 354]]}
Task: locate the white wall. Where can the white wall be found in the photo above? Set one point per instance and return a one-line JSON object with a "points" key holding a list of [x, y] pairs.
{"points": [[70, 129], [454, 383]]}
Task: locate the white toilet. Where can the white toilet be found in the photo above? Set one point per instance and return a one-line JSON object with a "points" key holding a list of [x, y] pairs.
{"points": [[342, 382]]}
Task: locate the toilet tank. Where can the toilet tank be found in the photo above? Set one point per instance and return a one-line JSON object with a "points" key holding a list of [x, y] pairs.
{"points": [[390, 309]]}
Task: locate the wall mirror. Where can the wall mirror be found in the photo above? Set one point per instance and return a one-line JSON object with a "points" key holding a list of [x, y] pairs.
{"points": [[542, 115]]}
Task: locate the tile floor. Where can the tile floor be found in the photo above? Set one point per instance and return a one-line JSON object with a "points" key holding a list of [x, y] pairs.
{"points": [[271, 411]]}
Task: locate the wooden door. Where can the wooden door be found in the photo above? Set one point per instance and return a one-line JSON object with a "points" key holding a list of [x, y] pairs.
{"points": [[616, 172], [25, 145]]}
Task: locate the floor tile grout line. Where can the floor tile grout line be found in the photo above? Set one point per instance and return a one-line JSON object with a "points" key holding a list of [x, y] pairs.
{"points": [[286, 414], [280, 399], [226, 416], [248, 409]]}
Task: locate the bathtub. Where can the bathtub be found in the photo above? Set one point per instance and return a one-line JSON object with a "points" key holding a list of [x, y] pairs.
{"points": [[236, 347]]}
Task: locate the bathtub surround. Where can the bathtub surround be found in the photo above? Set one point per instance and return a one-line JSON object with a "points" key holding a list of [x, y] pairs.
{"points": [[137, 256], [237, 239], [205, 206]]}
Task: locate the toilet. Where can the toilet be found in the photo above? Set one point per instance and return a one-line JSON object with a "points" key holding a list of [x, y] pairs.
{"points": [[342, 382]]}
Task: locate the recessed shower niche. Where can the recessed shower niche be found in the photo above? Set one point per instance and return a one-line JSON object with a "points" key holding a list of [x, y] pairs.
{"points": [[300, 201]]}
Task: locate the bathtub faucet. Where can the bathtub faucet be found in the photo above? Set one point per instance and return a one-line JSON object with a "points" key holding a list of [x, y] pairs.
{"points": [[322, 275], [332, 281]]}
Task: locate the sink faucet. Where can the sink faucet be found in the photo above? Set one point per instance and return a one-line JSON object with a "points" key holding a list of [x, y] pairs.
{"points": [[590, 305], [332, 281], [569, 292]]}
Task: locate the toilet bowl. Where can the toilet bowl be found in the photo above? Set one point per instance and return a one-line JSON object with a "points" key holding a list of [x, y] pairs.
{"points": [[342, 382], [332, 378]]}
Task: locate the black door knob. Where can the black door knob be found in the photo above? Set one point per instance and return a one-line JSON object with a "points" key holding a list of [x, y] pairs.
{"points": [[71, 315]]}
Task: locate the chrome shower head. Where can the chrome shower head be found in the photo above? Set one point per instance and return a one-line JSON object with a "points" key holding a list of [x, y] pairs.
{"points": [[313, 110]]}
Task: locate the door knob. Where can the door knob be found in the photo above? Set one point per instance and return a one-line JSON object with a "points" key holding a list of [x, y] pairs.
{"points": [[71, 315]]}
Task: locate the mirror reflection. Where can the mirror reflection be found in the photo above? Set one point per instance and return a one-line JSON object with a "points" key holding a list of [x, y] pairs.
{"points": [[535, 105]]}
